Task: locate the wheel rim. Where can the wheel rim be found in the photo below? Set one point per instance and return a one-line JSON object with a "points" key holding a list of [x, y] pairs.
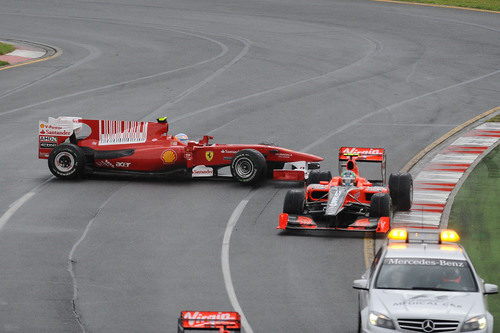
{"points": [[244, 168], [64, 162]]}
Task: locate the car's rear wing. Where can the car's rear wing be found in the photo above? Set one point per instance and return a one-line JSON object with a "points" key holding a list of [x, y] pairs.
{"points": [[54, 132], [106, 132], [362, 154], [223, 321], [350, 158]]}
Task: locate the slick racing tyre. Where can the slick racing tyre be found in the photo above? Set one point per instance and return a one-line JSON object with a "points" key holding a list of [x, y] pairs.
{"points": [[67, 161], [316, 176], [294, 202], [248, 166], [401, 190], [380, 205]]}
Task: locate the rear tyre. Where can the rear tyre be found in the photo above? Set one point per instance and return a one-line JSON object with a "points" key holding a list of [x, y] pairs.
{"points": [[248, 166], [316, 176], [380, 205], [67, 161], [401, 190], [294, 202]]}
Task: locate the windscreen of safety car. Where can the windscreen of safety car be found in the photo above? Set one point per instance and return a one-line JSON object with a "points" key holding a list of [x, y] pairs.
{"points": [[425, 274]]}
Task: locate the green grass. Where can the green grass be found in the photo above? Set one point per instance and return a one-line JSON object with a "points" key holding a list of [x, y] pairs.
{"points": [[475, 215], [479, 4], [495, 118], [6, 48]]}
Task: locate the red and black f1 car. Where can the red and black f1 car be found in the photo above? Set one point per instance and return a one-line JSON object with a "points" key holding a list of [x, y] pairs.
{"points": [[146, 148], [224, 322], [348, 202]]}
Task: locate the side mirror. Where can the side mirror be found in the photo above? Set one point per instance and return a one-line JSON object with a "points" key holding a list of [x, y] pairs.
{"points": [[360, 284], [490, 289]]}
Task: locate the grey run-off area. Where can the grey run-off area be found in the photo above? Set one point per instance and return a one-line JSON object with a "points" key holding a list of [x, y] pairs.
{"points": [[311, 75]]}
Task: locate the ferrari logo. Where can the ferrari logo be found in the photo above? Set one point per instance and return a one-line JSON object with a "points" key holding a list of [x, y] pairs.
{"points": [[209, 155]]}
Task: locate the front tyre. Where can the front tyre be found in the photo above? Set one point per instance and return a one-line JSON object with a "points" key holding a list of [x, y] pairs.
{"points": [[380, 205], [294, 202], [401, 190], [67, 161], [248, 166]]}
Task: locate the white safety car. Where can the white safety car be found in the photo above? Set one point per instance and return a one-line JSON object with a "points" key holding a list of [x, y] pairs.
{"points": [[422, 281]]}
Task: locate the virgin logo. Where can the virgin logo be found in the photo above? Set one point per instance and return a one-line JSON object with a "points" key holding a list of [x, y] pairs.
{"points": [[368, 151], [205, 318]]}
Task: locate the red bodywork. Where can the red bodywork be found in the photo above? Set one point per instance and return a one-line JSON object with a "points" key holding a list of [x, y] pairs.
{"points": [[209, 320], [360, 194], [131, 146]]}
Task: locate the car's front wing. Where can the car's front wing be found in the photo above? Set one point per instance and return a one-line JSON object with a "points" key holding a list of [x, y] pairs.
{"points": [[306, 222]]}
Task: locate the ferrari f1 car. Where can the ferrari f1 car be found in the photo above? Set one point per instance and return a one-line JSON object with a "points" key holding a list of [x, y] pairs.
{"points": [[349, 202], [76, 147], [224, 322]]}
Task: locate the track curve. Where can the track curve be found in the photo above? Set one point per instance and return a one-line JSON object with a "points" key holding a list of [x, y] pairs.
{"points": [[315, 75]]}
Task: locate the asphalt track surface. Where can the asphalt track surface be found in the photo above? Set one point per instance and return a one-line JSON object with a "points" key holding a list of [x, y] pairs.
{"points": [[119, 255]]}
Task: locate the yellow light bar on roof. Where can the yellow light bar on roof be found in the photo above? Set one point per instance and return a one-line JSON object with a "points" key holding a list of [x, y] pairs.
{"points": [[398, 234], [449, 236]]}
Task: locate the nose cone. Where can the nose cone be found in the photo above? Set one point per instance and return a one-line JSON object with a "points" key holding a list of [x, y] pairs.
{"points": [[299, 156]]}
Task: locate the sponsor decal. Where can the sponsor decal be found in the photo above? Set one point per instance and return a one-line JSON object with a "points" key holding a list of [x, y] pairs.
{"points": [[48, 138], [48, 145], [228, 151], [168, 156], [363, 151], [427, 300], [306, 222], [355, 195], [425, 262], [122, 164], [202, 171], [209, 155], [104, 164], [51, 129], [115, 132], [206, 319], [284, 155]]}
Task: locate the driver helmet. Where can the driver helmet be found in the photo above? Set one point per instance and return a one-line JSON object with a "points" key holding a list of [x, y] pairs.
{"points": [[348, 177], [451, 274], [182, 138]]}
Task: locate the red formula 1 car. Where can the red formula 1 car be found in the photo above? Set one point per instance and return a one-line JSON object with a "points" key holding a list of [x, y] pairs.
{"points": [[224, 322], [349, 202], [146, 148]]}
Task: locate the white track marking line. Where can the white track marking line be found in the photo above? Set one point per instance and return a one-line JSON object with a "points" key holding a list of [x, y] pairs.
{"points": [[393, 106], [14, 207], [223, 47], [226, 271], [19, 203]]}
